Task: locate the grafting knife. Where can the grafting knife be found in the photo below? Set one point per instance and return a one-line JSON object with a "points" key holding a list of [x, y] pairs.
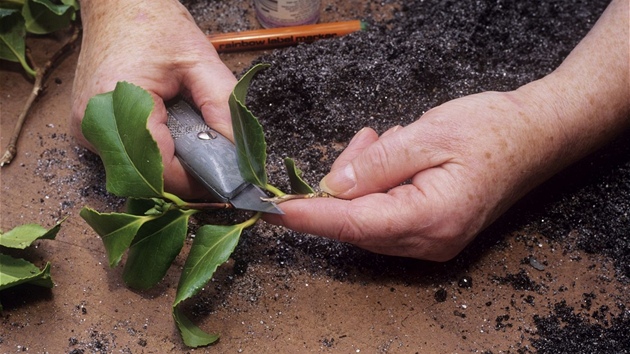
{"points": [[211, 158]]}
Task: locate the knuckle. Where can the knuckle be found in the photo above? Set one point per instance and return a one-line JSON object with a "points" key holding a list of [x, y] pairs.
{"points": [[380, 155], [378, 163], [351, 230]]}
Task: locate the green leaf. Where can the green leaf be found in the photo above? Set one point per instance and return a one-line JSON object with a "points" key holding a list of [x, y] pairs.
{"points": [[192, 335], [44, 16], [117, 230], [22, 236], [139, 206], [212, 247], [115, 123], [11, 4], [249, 138], [15, 271], [12, 34], [298, 185], [19, 271], [154, 248]]}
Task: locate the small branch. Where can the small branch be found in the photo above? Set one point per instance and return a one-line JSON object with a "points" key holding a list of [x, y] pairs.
{"points": [[14, 2], [207, 206], [251, 221], [192, 205], [175, 199], [277, 192], [287, 197], [41, 74]]}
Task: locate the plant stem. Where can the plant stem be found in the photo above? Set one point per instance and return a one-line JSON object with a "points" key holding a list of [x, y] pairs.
{"points": [[30, 71], [251, 221], [277, 192], [40, 77], [287, 197], [175, 199], [198, 206], [207, 206], [18, 3]]}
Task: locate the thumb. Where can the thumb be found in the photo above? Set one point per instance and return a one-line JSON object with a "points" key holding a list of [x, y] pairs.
{"points": [[361, 140], [387, 162], [210, 84]]}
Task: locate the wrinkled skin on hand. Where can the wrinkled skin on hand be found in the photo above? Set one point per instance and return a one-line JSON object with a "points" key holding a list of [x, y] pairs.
{"points": [[470, 159], [158, 46], [464, 162]]}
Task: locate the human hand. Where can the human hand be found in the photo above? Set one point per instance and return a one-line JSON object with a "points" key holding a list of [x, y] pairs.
{"points": [[158, 46], [471, 158], [465, 162]]}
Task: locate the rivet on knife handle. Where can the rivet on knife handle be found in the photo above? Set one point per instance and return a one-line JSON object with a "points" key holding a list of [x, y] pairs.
{"points": [[211, 158]]}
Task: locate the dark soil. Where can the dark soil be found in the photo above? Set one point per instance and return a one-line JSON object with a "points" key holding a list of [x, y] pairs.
{"points": [[550, 276], [314, 98]]}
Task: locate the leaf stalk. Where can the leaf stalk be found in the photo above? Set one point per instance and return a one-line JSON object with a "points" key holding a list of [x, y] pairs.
{"points": [[277, 192], [13, 2], [40, 74], [251, 221], [287, 197]]}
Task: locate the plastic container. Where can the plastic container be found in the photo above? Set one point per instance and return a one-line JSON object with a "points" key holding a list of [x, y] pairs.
{"points": [[282, 13]]}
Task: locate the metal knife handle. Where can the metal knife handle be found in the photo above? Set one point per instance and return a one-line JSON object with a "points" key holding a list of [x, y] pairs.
{"points": [[207, 155]]}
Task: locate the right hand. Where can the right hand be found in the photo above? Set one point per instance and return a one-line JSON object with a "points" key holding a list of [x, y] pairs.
{"points": [[157, 46]]}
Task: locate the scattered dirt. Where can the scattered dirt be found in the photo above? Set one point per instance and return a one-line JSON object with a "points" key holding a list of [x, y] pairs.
{"points": [[551, 276]]}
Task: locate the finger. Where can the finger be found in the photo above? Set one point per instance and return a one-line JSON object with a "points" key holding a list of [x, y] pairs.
{"points": [[394, 224], [176, 179], [210, 84], [343, 220], [386, 163], [362, 139], [391, 130]]}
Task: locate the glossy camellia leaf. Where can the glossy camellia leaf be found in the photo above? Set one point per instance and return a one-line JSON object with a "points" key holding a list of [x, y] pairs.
{"points": [[117, 230], [12, 34], [14, 271], [249, 137], [115, 123], [155, 247], [212, 247], [22, 236], [152, 206], [192, 335], [139, 206], [298, 185], [44, 16]]}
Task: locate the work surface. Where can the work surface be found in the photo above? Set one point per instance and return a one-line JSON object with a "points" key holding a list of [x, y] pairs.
{"points": [[551, 275]]}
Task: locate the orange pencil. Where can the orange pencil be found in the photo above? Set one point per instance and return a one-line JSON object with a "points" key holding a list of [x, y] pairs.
{"points": [[282, 36]]}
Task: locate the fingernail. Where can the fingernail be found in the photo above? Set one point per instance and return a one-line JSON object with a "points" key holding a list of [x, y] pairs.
{"points": [[356, 136], [340, 181]]}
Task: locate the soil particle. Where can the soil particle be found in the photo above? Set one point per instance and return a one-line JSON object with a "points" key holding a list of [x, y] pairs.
{"points": [[465, 282], [440, 295], [519, 281], [414, 56], [536, 264], [314, 98], [577, 335]]}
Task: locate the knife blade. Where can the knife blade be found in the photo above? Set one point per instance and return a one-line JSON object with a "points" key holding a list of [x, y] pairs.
{"points": [[211, 158]]}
